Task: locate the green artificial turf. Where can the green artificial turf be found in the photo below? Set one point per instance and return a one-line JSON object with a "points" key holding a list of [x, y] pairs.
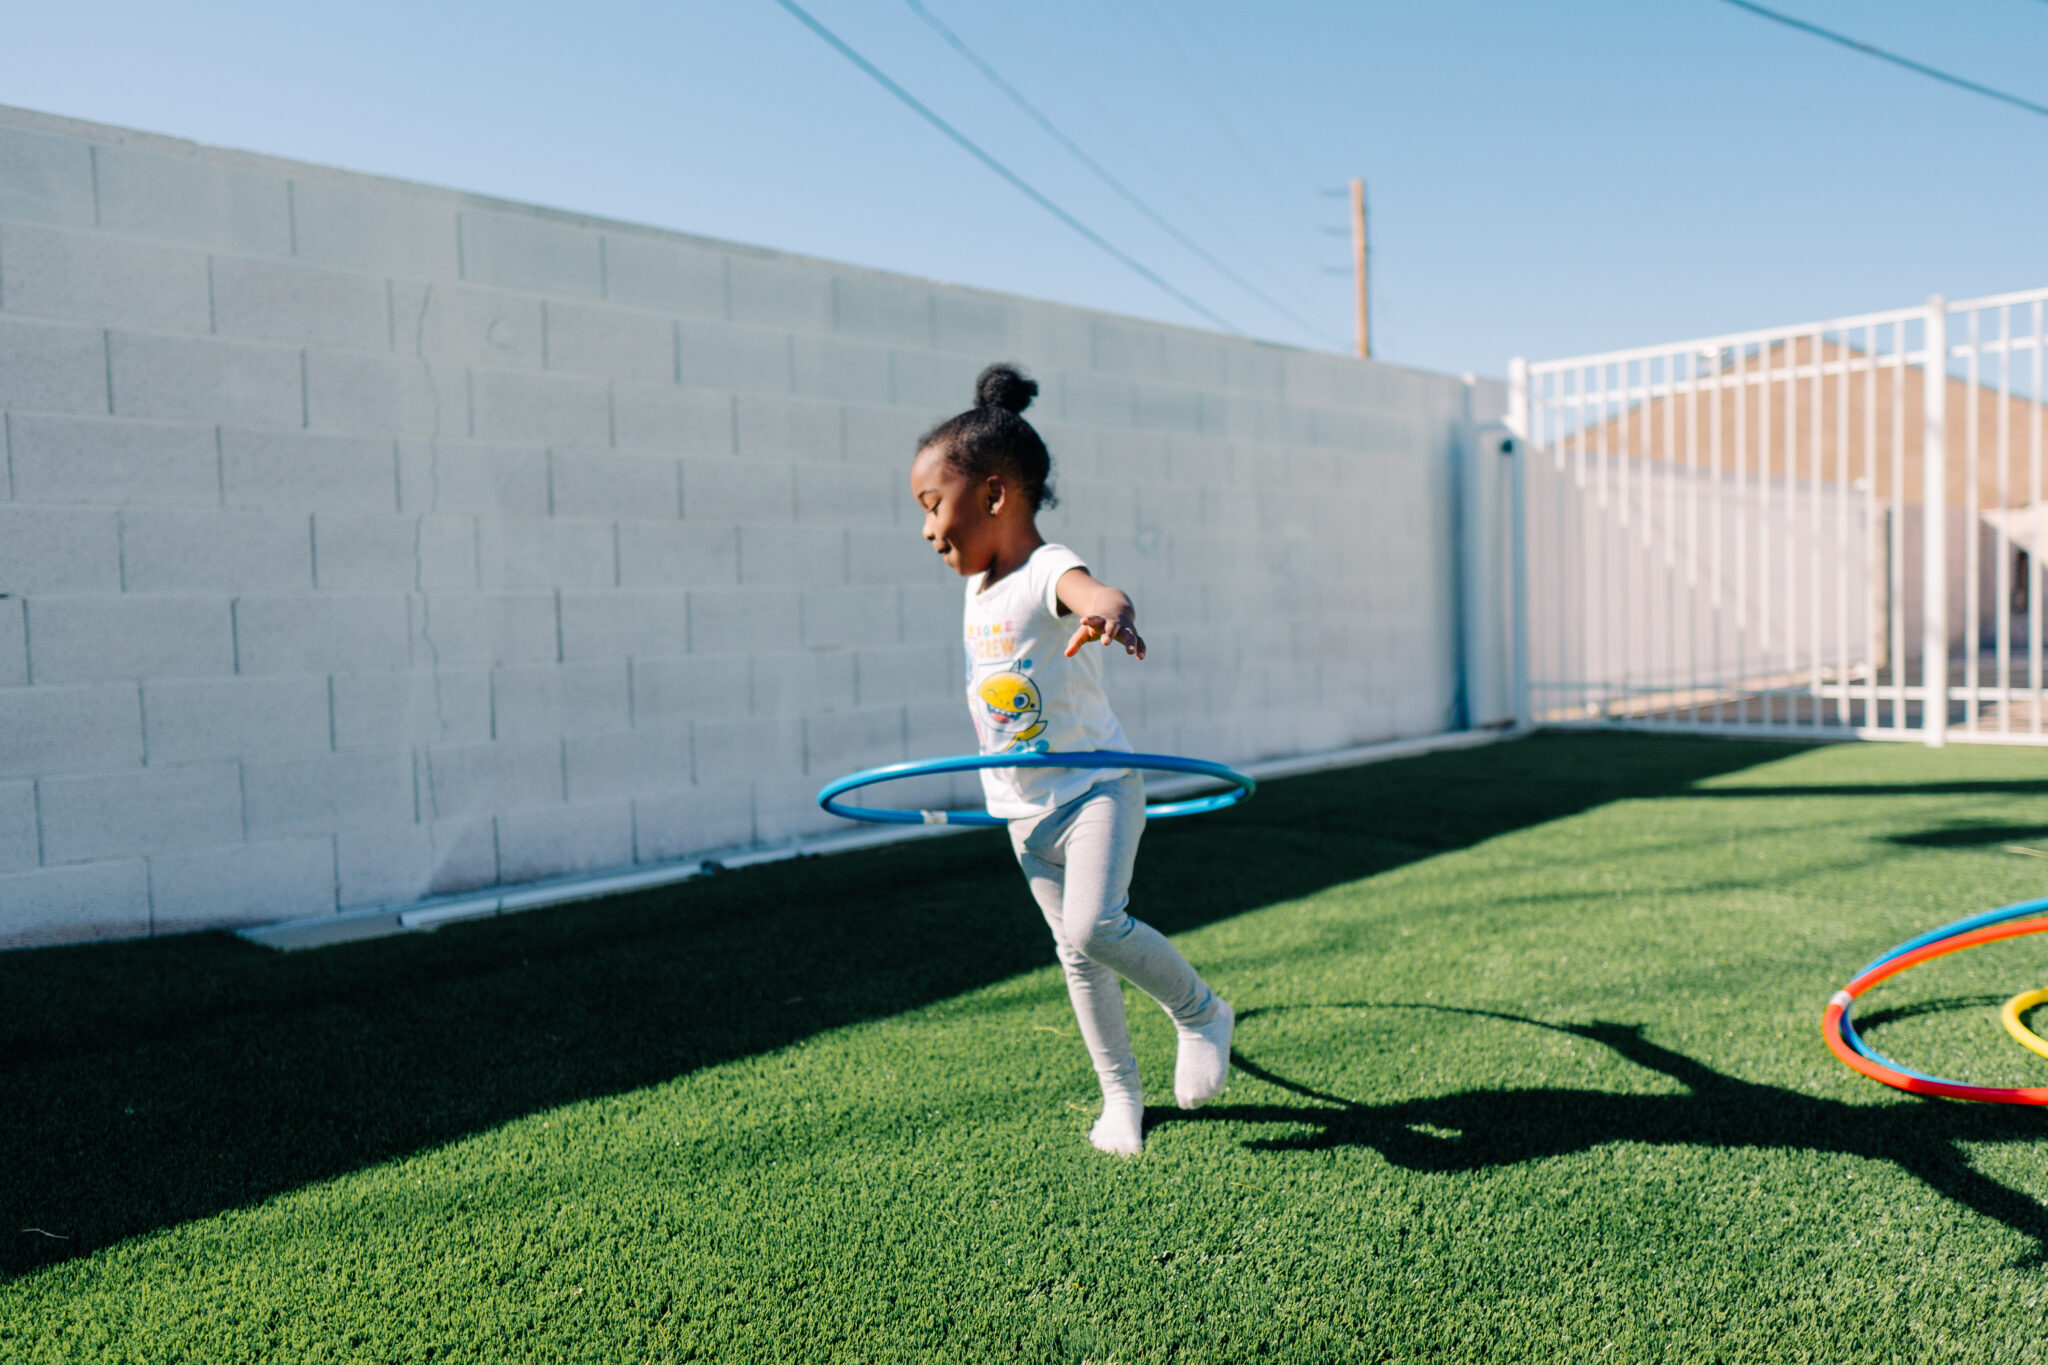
{"points": [[1529, 1067]]}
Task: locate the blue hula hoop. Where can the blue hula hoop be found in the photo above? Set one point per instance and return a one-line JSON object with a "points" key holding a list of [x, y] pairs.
{"points": [[1855, 1039], [828, 796]]}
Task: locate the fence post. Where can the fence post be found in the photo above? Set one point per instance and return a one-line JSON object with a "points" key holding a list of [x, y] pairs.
{"points": [[1518, 547], [1934, 529]]}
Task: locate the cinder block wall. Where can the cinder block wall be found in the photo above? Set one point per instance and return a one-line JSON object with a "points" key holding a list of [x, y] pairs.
{"points": [[365, 541]]}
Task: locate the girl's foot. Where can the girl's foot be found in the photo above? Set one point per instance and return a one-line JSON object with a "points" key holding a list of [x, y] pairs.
{"points": [[1203, 1066], [1121, 1129]]}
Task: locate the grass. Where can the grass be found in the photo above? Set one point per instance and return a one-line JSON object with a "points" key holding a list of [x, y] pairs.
{"points": [[1529, 1068]]}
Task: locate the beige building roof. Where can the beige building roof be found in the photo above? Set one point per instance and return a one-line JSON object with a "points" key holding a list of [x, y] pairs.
{"points": [[1680, 429]]}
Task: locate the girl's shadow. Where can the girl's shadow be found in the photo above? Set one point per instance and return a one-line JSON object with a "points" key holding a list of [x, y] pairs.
{"points": [[1476, 1129]]}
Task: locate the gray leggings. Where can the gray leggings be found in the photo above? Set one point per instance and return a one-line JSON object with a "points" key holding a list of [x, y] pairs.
{"points": [[1078, 860]]}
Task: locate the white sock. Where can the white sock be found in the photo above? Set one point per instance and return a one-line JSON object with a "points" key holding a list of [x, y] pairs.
{"points": [[1121, 1129], [1202, 1068]]}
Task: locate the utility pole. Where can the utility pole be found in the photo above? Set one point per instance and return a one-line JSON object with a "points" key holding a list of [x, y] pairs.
{"points": [[1358, 264]]}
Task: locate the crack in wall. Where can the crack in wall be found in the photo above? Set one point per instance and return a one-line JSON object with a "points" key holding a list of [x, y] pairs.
{"points": [[419, 571]]}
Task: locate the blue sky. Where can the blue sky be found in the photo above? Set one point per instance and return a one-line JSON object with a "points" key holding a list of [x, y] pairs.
{"points": [[1545, 179]]}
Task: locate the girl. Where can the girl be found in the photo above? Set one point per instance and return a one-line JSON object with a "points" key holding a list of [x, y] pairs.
{"points": [[981, 479]]}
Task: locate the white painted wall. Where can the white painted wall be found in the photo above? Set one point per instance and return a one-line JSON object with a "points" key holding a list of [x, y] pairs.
{"points": [[365, 541], [1683, 582]]}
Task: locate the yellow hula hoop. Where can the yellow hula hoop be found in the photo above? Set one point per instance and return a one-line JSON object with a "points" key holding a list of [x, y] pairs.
{"points": [[2018, 1006]]}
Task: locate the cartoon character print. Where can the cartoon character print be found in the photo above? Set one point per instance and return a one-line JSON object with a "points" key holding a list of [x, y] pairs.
{"points": [[1012, 712]]}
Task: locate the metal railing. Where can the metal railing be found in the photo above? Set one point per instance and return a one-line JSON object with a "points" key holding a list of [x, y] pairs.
{"points": [[1830, 529]]}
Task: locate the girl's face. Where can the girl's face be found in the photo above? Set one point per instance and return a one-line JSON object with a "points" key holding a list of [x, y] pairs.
{"points": [[959, 512]]}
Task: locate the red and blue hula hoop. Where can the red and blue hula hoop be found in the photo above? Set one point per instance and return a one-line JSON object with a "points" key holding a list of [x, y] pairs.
{"points": [[1240, 785], [1838, 1029]]}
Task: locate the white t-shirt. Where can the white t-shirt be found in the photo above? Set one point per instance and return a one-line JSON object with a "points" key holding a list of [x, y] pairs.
{"points": [[1026, 694]]}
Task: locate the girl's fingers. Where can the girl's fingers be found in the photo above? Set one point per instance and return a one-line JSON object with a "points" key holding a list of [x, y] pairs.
{"points": [[1101, 628]]}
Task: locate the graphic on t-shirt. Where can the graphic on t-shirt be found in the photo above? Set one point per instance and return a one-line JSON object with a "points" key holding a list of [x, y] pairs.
{"points": [[1028, 697], [1012, 708], [990, 640]]}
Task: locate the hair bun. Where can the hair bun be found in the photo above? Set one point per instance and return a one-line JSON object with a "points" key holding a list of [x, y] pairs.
{"points": [[1004, 386]]}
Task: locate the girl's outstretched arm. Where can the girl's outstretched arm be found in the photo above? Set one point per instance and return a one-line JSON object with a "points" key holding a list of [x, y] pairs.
{"points": [[1106, 613]]}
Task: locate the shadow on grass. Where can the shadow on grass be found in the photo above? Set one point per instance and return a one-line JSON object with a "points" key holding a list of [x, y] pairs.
{"points": [[1947, 1004], [2016, 787], [1465, 1131], [151, 1083], [1971, 836]]}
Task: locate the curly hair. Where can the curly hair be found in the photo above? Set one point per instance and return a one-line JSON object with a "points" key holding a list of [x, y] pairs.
{"points": [[992, 436]]}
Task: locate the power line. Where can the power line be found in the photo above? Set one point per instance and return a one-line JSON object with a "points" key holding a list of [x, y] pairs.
{"points": [[1259, 112], [1870, 51], [1101, 173], [1183, 16], [1196, 88], [1018, 182], [1020, 30]]}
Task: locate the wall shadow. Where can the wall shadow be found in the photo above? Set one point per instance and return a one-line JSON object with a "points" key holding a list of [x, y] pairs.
{"points": [[150, 1083], [1971, 836], [2012, 787], [1464, 1131]]}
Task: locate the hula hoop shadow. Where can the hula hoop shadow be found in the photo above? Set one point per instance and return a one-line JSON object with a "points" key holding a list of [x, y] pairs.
{"points": [[1481, 1129], [828, 796]]}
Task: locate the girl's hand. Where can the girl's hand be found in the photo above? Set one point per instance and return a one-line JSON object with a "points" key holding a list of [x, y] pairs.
{"points": [[1119, 631]]}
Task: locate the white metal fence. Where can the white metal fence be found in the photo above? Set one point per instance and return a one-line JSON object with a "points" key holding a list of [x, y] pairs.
{"points": [[1827, 528]]}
